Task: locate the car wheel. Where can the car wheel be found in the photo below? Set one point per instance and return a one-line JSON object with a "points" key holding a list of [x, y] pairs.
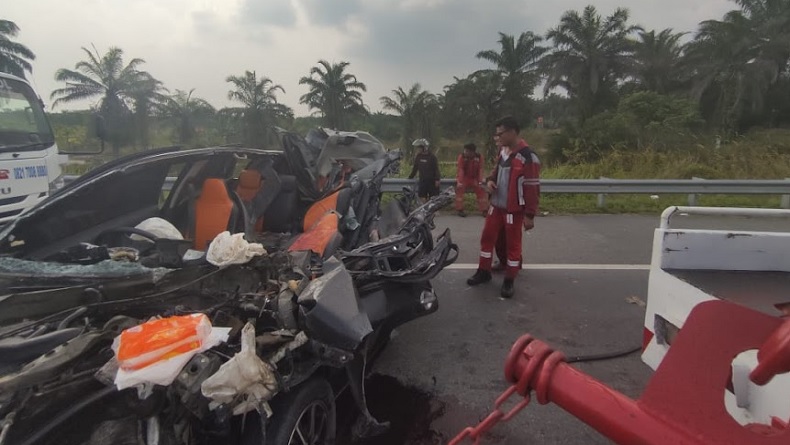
{"points": [[304, 416]]}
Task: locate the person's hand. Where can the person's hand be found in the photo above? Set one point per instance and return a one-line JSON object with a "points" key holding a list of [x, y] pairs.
{"points": [[529, 223], [459, 184], [491, 185], [437, 183]]}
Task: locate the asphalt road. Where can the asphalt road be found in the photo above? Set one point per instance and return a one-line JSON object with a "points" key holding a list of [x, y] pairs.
{"points": [[572, 294], [576, 292]]}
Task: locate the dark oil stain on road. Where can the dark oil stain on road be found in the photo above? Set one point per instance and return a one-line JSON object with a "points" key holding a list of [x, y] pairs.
{"points": [[409, 410], [417, 416]]}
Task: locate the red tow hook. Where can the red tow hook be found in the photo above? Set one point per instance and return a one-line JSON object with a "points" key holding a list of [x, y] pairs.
{"points": [[773, 356], [682, 404]]}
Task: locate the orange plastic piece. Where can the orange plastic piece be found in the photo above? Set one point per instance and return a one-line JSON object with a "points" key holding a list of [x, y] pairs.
{"points": [[161, 339], [319, 209], [212, 212]]}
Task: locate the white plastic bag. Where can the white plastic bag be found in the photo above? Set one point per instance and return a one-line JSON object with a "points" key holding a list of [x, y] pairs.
{"points": [[245, 380], [228, 249], [158, 227]]}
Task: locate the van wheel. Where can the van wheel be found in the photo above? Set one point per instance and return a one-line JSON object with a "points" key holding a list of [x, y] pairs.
{"points": [[304, 416]]}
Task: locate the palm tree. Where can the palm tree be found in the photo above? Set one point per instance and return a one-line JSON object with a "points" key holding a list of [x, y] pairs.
{"points": [[334, 93], [186, 111], [472, 105], [517, 61], [261, 110], [415, 107], [657, 59], [104, 77], [14, 57], [589, 57], [736, 60], [770, 25], [148, 96]]}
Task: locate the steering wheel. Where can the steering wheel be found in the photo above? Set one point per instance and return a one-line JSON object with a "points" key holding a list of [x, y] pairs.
{"points": [[126, 241]]}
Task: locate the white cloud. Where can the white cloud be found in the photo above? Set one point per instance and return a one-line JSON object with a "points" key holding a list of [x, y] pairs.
{"points": [[389, 43]]}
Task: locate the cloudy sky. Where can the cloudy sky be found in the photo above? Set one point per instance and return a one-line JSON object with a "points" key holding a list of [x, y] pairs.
{"points": [[389, 43]]}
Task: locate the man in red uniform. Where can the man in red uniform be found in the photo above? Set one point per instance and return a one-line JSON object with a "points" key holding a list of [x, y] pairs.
{"points": [[470, 176], [515, 185]]}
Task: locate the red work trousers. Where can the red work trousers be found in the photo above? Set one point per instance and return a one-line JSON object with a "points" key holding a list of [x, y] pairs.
{"points": [[482, 195], [513, 225]]}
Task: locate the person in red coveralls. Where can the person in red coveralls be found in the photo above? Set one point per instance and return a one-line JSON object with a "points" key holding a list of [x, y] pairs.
{"points": [[515, 195], [470, 176]]}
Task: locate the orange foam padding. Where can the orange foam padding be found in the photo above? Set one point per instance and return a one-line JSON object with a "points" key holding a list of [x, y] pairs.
{"points": [[319, 235], [249, 184], [319, 209], [212, 212]]}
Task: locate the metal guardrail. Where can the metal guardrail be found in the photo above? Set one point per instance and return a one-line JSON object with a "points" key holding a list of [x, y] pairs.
{"points": [[604, 186]]}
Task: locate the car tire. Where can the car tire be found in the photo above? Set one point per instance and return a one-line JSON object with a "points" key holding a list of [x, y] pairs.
{"points": [[311, 403]]}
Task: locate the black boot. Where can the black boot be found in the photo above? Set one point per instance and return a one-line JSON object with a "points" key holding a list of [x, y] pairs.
{"points": [[507, 288], [480, 277]]}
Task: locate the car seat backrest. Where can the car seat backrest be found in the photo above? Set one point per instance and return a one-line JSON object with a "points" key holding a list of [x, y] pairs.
{"points": [[281, 214], [214, 212], [338, 202], [249, 185], [322, 238]]}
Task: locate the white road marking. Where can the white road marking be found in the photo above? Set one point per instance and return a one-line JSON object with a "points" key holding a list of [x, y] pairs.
{"points": [[473, 266]]}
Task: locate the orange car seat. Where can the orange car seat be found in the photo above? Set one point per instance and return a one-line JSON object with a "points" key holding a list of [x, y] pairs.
{"points": [[338, 201], [250, 182], [321, 224], [322, 238], [214, 212]]}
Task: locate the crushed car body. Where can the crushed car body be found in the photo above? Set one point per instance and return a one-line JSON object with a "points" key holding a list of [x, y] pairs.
{"points": [[296, 269]]}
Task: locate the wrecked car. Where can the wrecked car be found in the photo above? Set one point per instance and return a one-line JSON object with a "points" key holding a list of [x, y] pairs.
{"points": [[253, 286]]}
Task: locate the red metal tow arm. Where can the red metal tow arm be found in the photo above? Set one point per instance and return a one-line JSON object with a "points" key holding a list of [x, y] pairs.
{"points": [[683, 402]]}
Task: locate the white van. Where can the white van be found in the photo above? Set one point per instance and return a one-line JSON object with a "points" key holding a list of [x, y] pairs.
{"points": [[30, 166]]}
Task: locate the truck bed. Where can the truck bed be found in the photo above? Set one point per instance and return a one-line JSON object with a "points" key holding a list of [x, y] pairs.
{"points": [[761, 290]]}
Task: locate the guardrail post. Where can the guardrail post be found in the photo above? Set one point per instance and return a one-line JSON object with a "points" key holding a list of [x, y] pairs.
{"points": [[693, 196], [786, 199], [602, 197]]}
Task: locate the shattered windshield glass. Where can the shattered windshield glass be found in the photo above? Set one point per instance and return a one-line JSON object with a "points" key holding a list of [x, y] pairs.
{"points": [[107, 269]]}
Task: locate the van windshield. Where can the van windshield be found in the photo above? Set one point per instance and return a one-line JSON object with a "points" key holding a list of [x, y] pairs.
{"points": [[23, 125]]}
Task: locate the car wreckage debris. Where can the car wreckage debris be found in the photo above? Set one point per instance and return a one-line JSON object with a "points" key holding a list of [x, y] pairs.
{"points": [[269, 319]]}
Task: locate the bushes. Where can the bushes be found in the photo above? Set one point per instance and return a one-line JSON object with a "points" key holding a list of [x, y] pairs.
{"points": [[641, 120]]}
